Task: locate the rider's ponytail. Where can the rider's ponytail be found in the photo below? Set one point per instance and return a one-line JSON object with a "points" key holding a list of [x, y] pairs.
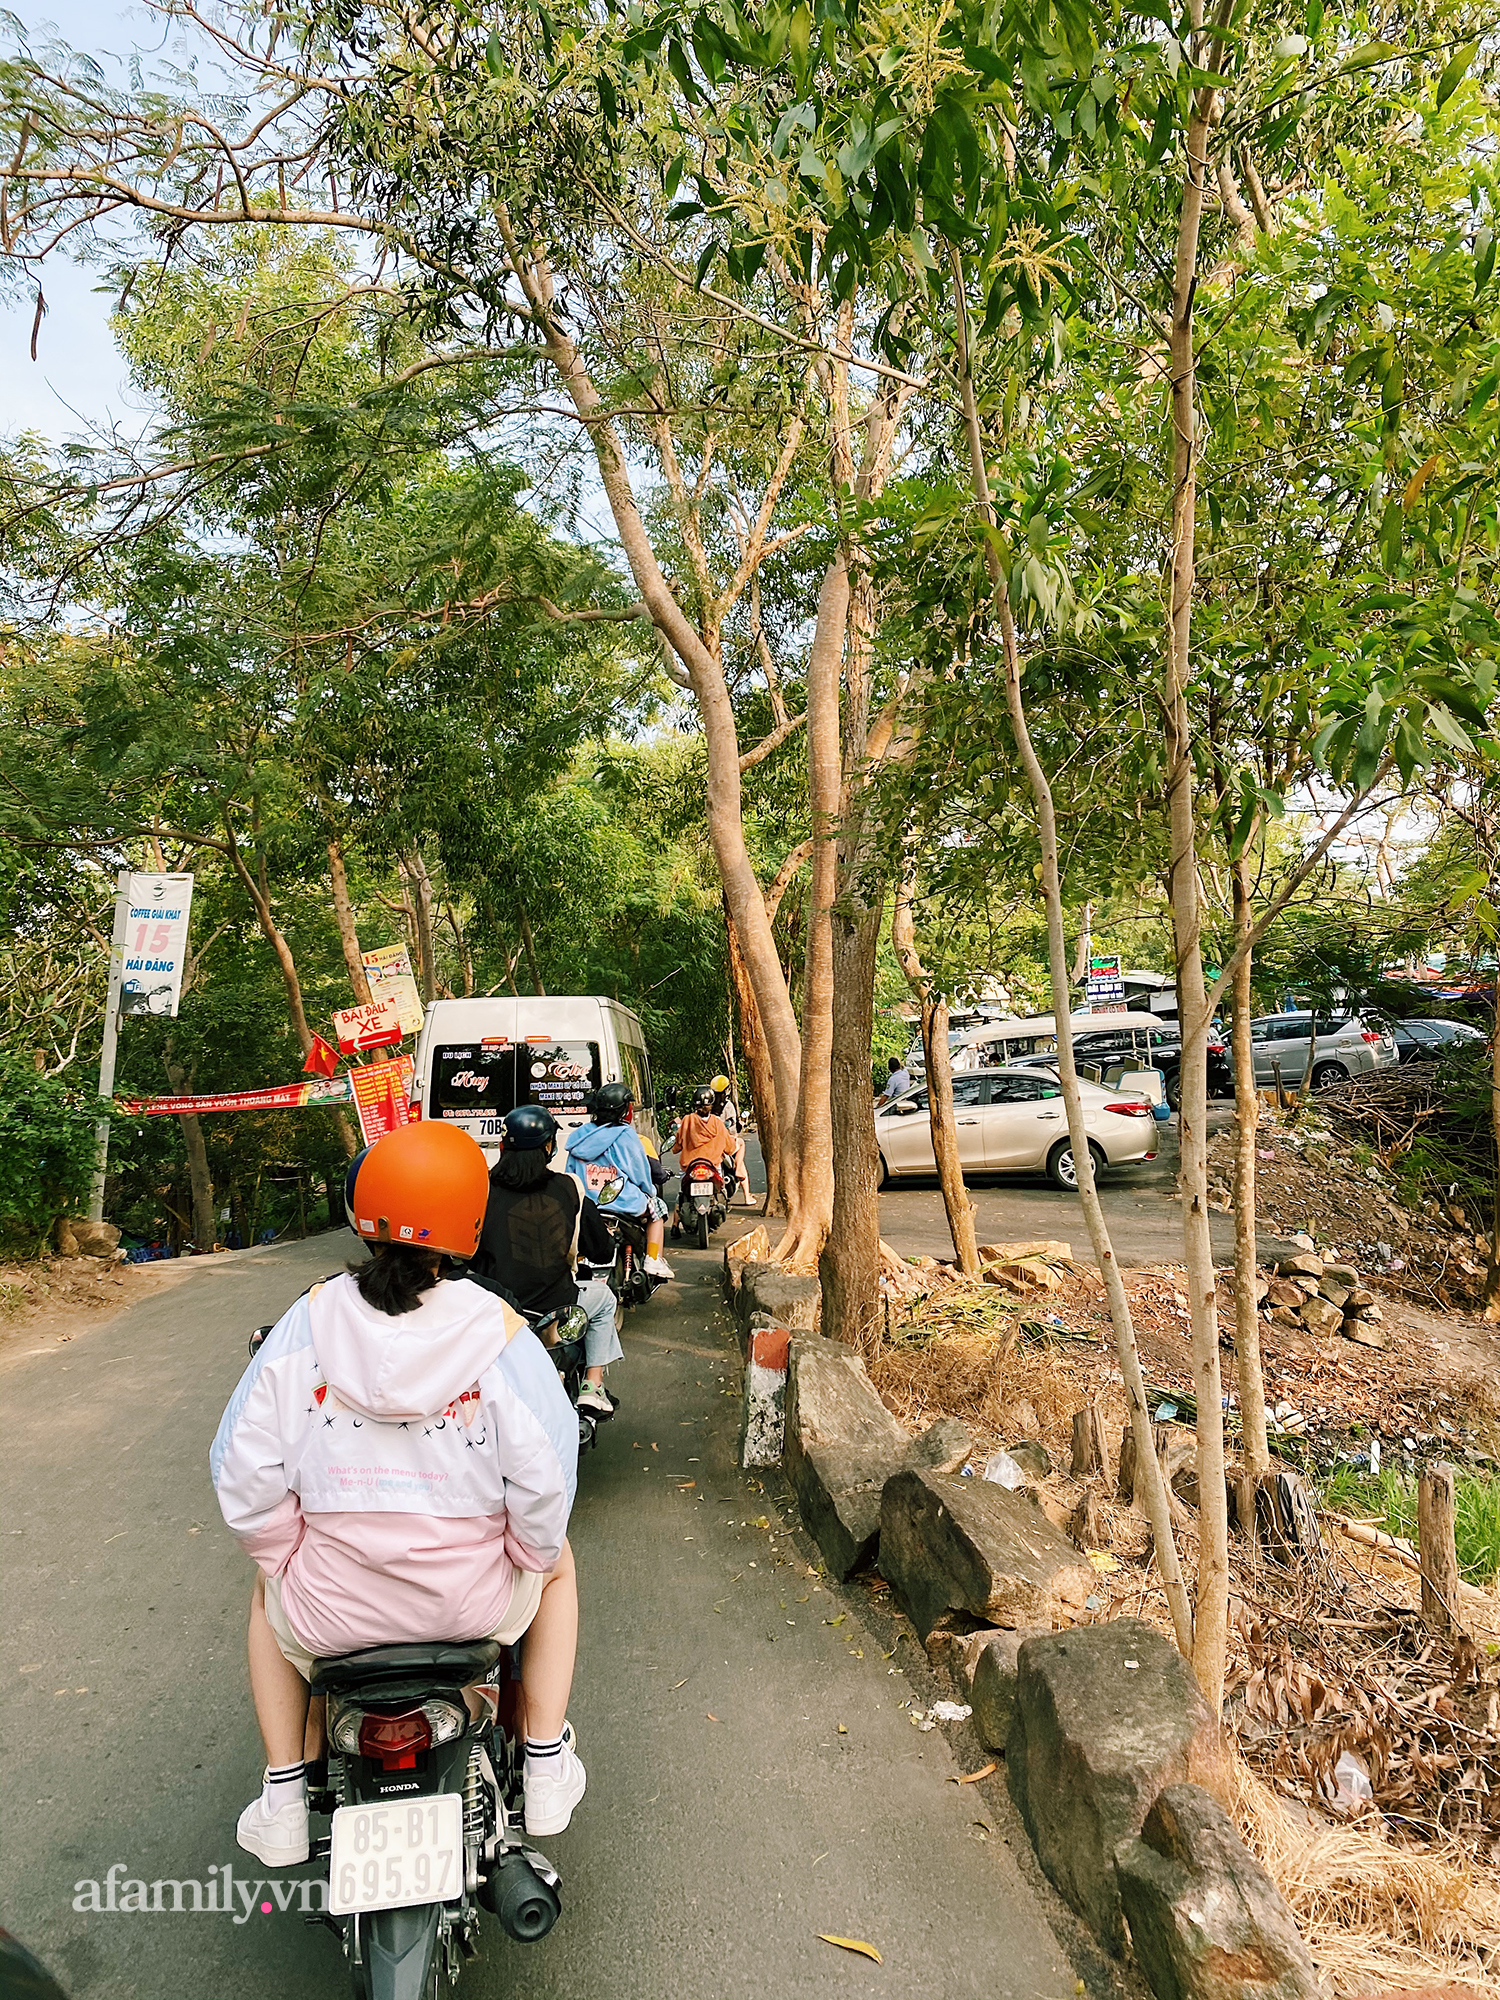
{"points": [[396, 1276]]}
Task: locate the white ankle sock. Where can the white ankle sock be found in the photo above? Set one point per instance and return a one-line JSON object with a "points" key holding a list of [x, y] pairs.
{"points": [[284, 1785]]}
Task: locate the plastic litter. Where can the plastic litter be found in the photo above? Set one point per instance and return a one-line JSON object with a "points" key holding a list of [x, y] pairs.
{"points": [[1351, 1783], [951, 1711], [1165, 1412], [1000, 1469]]}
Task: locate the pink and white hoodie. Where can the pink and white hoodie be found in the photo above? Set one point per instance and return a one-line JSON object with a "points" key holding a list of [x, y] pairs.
{"points": [[395, 1471]]}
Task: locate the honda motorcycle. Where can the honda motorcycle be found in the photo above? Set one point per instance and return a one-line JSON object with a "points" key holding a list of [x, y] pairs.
{"points": [[702, 1200], [427, 1803]]}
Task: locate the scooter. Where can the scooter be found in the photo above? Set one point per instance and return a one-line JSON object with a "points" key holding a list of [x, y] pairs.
{"points": [[426, 1804], [561, 1332], [702, 1200]]}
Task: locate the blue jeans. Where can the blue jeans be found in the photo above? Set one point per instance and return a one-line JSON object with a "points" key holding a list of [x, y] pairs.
{"points": [[601, 1341]]}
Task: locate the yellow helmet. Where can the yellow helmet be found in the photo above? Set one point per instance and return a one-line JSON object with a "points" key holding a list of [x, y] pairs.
{"points": [[719, 1083]]}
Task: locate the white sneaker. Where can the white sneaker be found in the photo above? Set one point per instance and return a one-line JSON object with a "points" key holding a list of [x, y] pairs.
{"points": [[554, 1785], [277, 1838], [659, 1267]]}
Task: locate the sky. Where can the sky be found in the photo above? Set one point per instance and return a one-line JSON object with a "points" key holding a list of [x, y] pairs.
{"points": [[78, 378]]}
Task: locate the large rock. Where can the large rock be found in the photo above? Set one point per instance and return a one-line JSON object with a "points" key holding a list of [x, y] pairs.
{"points": [[93, 1239], [1206, 1920], [992, 1692], [951, 1545], [1105, 1717], [942, 1447], [842, 1445], [769, 1296]]}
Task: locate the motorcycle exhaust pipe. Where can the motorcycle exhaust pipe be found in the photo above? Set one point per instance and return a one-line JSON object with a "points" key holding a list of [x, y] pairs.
{"points": [[523, 1896]]}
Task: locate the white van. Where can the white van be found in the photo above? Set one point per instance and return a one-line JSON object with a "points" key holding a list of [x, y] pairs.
{"points": [[478, 1059]]}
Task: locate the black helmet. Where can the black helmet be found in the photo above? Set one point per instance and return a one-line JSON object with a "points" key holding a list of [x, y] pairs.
{"points": [[704, 1102], [529, 1128], [611, 1103]]}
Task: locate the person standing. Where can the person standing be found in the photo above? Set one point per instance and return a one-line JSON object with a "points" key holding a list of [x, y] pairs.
{"points": [[898, 1080]]}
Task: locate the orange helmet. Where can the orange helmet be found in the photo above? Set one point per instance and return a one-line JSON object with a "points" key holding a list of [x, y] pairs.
{"points": [[426, 1185]]}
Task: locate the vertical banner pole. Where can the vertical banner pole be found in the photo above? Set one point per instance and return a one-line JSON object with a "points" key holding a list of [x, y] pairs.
{"points": [[111, 1030]]}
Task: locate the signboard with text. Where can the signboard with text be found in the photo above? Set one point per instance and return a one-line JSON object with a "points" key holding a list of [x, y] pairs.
{"points": [[381, 1091], [373, 1025], [390, 975], [155, 943], [1106, 985], [280, 1097]]}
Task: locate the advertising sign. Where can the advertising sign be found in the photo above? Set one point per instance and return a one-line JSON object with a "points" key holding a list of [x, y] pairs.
{"points": [[370, 1026], [1106, 986], [380, 1094], [154, 943], [281, 1097], [389, 972]]}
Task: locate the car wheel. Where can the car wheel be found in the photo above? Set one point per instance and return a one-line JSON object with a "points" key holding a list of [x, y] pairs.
{"points": [[1326, 1074], [885, 1174], [1174, 1091], [1060, 1168]]}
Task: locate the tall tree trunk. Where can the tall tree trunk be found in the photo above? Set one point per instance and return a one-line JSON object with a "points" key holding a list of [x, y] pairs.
{"points": [[710, 688], [1148, 1467], [200, 1181], [1492, 1276], [850, 1263], [1252, 1385], [1210, 1635], [343, 914], [956, 1202], [811, 1214], [420, 883], [757, 1067], [530, 949]]}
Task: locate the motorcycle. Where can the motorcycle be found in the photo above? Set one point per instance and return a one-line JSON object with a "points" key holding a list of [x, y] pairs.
{"points": [[626, 1275], [426, 1803], [702, 1200]]}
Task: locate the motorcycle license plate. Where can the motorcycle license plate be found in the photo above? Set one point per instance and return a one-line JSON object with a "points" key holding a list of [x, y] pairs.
{"points": [[386, 1856], [703, 1197]]}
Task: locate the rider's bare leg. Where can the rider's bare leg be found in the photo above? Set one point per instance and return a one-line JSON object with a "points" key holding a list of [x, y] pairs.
{"points": [[279, 1692], [547, 1654]]}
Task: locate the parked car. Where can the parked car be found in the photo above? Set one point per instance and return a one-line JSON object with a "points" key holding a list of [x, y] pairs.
{"points": [[1426, 1041], [1012, 1121], [1164, 1052], [1344, 1045]]}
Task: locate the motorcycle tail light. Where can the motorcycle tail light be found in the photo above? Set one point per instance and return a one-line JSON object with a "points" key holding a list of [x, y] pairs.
{"points": [[394, 1741]]}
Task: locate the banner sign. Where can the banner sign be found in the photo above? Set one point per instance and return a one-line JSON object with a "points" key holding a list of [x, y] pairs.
{"points": [[281, 1097], [380, 1094], [155, 943], [370, 1026], [389, 973], [1106, 986]]}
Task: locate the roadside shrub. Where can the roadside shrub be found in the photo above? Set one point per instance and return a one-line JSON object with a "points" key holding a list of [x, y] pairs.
{"points": [[47, 1150]]}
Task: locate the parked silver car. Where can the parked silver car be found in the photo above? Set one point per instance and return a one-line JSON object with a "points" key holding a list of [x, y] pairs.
{"points": [[1012, 1121], [1345, 1045]]}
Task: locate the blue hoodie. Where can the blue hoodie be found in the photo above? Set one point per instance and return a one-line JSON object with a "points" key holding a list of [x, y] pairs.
{"points": [[616, 1146]]}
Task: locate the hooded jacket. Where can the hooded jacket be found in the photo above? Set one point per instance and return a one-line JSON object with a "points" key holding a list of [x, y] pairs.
{"points": [[602, 1147], [396, 1470]]}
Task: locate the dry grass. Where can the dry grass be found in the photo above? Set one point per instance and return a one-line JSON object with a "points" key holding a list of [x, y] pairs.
{"points": [[1374, 1916]]}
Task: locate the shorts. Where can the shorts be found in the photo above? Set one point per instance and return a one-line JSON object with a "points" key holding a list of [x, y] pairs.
{"points": [[525, 1596]]}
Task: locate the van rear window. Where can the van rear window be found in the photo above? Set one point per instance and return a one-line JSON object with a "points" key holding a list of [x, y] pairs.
{"points": [[472, 1082], [558, 1074]]}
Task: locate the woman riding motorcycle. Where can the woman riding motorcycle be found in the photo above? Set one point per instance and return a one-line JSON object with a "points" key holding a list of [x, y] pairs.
{"points": [[703, 1135], [607, 1150], [400, 1461], [535, 1225]]}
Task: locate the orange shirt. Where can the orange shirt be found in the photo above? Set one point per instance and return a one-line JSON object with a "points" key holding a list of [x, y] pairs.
{"points": [[700, 1138]]}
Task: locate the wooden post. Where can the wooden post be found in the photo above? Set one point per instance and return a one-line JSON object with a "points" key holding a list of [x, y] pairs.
{"points": [[1125, 1485], [1089, 1448], [1435, 1545]]}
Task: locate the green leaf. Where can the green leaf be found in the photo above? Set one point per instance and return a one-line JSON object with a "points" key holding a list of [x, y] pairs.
{"points": [[1161, 130], [1484, 258], [798, 43], [494, 55], [1455, 73]]}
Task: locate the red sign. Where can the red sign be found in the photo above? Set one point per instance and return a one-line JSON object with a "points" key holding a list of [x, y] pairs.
{"points": [[283, 1097], [372, 1026], [380, 1094]]}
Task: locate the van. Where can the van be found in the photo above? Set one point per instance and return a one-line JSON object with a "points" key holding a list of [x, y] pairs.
{"points": [[478, 1059]]}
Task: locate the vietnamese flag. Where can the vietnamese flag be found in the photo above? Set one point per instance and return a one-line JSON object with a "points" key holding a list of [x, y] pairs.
{"points": [[322, 1058]]}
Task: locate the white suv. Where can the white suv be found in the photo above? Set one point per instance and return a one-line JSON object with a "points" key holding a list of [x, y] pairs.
{"points": [[1345, 1045]]}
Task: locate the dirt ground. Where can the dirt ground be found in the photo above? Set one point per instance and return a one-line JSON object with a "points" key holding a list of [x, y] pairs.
{"points": [[49, 1301]]}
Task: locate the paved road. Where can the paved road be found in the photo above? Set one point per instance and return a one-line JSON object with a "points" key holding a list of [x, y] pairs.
{"points": [[753, 1780], [1145, 1221]]}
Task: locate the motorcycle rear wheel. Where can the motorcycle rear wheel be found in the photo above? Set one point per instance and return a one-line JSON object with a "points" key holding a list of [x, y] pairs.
{"points": [[703, 1229]]}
